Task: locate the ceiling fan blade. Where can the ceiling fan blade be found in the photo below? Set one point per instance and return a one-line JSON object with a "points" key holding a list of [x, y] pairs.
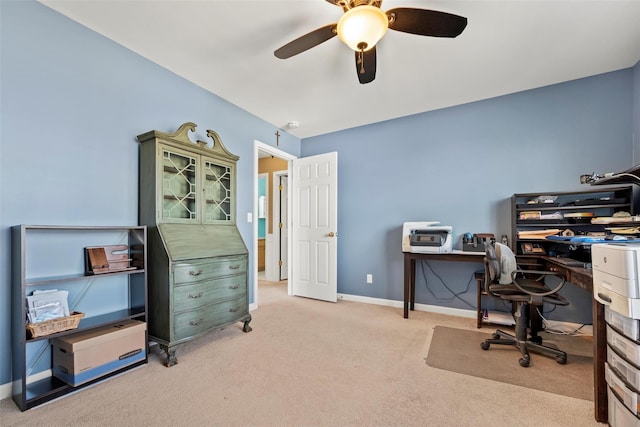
{"points": [[366, 65], [306, 41], [425, 22]]}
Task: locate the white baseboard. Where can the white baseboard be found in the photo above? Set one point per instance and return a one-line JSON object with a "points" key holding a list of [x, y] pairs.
{"points": [[470, 314], [5, 391], [556, 326]]}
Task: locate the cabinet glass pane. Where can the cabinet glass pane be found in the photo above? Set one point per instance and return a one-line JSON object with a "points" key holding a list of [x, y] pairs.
{"points": [[217, 191], [178, 186]]}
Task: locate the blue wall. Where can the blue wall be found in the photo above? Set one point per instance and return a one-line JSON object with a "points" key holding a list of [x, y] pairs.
{"points": [[460, 166], [72, 105]]}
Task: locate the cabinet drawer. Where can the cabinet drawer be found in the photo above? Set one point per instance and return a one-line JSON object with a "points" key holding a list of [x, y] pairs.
{"points": [[627, 396], [623, 369], [192, 323], [630, 328], [629, 349], [189, 296], [198, 271]]}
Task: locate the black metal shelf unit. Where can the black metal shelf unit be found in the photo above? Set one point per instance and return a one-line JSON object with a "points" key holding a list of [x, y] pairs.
{"points": [[570, 211], [48, 257]]}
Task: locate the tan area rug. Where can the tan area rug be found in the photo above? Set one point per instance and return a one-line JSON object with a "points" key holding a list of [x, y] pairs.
{"points": [[458, 350]]}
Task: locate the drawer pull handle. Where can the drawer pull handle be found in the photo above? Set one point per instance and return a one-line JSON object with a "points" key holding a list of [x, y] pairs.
{"points": [[195, 322], [233, 310], [604, 297], [234, 267], [198, 295], [195, 273], [234, 286]]}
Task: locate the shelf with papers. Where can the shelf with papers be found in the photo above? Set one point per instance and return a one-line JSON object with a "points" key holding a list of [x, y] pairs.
{"points": [[52, 258], [576, 211]]}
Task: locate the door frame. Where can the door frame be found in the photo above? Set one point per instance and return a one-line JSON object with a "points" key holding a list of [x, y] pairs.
{"points": [[257, 147], [277, 201]]}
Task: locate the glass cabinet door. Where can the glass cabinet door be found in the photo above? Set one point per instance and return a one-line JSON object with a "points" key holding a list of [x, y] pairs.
{"points": [[179, 186], [217, 192]]}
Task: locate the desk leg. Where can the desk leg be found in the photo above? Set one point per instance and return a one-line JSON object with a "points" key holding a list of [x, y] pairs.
{"points": [[480, 289], [412, 284], [407, 273], [409, 284], [599, 357]]}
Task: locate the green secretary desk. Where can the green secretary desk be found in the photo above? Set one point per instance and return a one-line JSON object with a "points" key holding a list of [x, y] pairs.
{"points": [[197, 260]]}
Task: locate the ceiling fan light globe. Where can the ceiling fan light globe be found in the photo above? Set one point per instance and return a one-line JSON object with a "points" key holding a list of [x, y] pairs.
{"points": [[362, 27]]}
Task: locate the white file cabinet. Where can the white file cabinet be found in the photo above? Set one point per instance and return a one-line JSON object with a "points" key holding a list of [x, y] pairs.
{"points": [[616, 284], [622, 371]]}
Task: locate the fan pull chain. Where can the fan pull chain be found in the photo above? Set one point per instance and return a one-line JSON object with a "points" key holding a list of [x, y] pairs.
{"points": [[361, 60]]}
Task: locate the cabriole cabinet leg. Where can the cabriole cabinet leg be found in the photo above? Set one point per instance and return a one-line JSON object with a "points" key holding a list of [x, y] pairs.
{"points": [[246, 327], [171, 355]]}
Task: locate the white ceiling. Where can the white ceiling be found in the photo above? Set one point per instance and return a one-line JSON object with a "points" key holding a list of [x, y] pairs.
{"points": [[227, 48]]}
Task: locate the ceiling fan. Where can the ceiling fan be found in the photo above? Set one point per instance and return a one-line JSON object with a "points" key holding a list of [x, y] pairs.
{"points": [[363, 24]]}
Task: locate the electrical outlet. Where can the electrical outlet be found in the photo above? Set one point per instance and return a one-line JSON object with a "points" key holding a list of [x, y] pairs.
{"points": [[369, 278]]}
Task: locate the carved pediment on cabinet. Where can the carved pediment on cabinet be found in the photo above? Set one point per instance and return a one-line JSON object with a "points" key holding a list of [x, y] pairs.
{"points": [[181, 136]]}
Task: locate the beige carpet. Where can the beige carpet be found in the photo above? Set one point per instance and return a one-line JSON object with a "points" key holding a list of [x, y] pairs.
{"points": [[459, 351], [308, 363]]}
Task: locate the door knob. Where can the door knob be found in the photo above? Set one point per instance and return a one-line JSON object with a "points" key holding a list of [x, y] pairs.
{"points": [[331, 234]]}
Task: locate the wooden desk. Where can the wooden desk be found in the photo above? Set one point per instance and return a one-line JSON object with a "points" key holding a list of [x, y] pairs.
{"points": [[410, 271], [579, 276], [582, 277]]}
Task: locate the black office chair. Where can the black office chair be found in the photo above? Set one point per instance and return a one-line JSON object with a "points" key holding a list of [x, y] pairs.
{"points": [[524, 289]]}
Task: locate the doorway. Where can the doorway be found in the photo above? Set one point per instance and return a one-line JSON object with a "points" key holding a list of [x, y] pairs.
{"points": [[275, 165]]}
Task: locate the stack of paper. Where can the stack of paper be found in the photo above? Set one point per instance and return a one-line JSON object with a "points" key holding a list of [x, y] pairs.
{"points": [[537, 234], [615, 219], [47, 305]]}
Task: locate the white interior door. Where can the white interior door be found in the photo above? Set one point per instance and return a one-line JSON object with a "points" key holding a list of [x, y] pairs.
{"points": [[284, 227], [315, 226]]}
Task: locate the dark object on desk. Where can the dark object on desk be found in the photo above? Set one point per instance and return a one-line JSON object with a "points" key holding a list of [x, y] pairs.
{"points": [[476, 242], [503, 280], [428, 238], [532, 248]]}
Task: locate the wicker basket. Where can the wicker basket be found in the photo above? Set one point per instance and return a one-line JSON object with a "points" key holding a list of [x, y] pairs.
{"points": [[54, 325]]}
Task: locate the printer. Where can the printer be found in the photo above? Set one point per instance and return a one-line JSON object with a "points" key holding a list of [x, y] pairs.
{"points": [[426, 237], [616, 277]]}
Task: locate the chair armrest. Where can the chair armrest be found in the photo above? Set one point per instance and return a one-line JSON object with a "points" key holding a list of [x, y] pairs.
{"points": [[540, 275]]}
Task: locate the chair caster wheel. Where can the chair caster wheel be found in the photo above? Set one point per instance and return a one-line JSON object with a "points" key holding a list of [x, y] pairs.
{"points": [[495, 336], [484, 345], [561, 360], [525, 361], [537, 339]]}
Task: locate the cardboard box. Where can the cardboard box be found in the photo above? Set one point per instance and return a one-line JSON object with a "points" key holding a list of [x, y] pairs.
{"points": [[84, 356]]}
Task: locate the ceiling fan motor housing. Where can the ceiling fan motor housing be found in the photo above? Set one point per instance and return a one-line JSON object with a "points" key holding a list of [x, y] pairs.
{"points": [[346, 5]]}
